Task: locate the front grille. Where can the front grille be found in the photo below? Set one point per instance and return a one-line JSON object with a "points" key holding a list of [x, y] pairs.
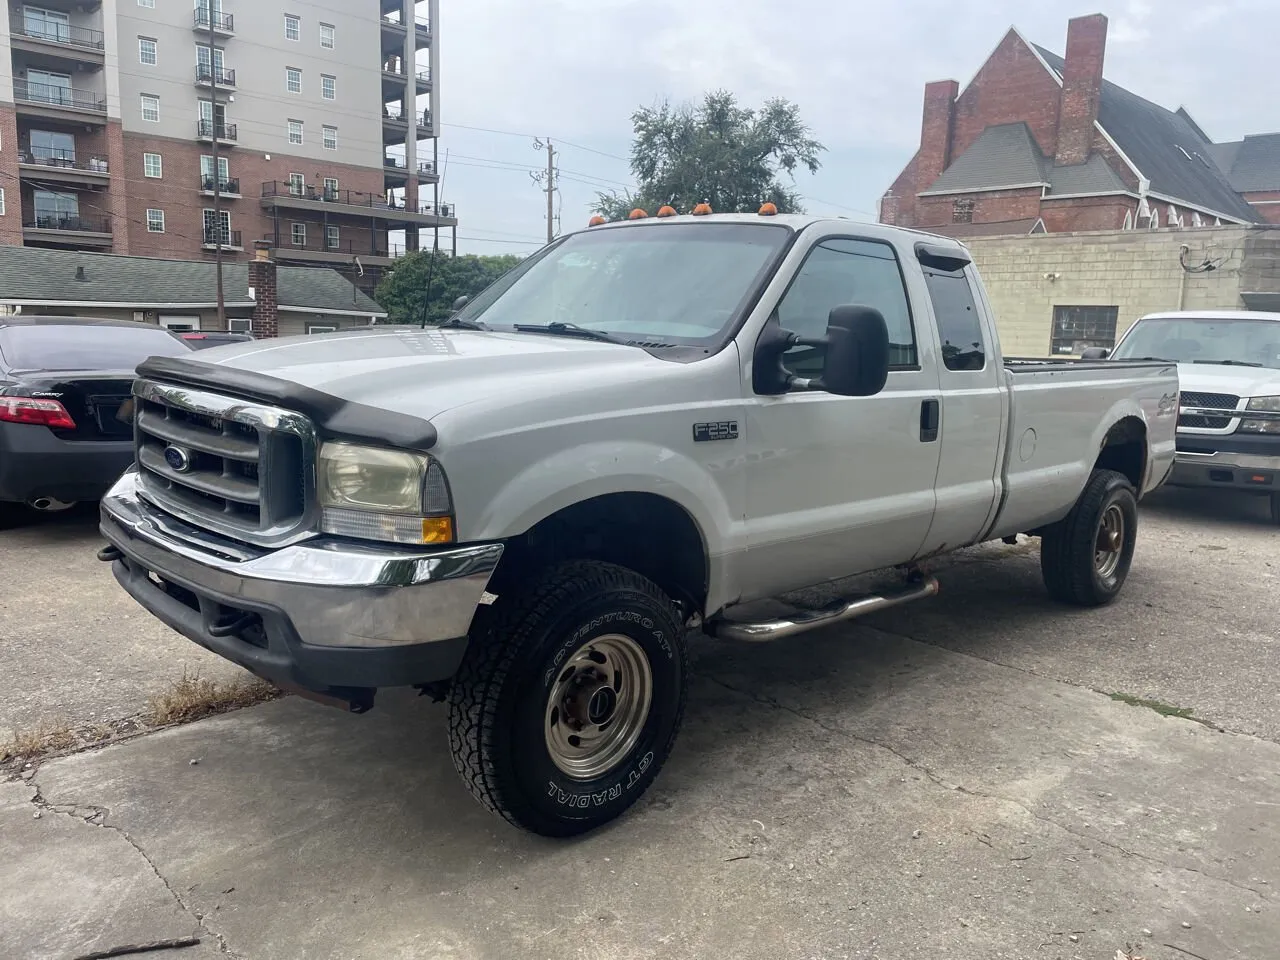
{"points": [[1213, 401], [232, 466]]}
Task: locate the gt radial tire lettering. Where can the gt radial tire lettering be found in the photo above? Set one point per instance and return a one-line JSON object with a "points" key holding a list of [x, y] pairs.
{"points": [[581, 801]]}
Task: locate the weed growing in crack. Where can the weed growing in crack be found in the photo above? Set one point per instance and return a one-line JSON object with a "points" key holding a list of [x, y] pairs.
{"points": [[1164, 709], [193, 697]]}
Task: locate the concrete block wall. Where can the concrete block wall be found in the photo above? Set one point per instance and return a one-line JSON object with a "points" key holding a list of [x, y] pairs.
{"points": [[1136, 271]]}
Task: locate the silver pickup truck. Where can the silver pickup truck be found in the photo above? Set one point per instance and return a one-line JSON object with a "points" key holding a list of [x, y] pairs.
{"points": [[637, 431]]}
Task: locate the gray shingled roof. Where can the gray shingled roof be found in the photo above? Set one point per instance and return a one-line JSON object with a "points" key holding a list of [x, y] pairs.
{"points": [[1151, 137], [37, 274], [1006, 155], [1003, 156], [1251, 164]]}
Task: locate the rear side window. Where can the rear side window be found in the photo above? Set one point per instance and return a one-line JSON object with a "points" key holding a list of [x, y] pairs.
{"points": [[957, 314], [85, 347], [840, 272]]}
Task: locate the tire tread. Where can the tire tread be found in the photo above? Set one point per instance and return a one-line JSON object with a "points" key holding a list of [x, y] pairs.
{"points": [[1065, 547]]}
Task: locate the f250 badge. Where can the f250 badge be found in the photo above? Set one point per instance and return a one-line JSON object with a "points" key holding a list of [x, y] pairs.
{"points": [[724, 430], [1168, 405]]}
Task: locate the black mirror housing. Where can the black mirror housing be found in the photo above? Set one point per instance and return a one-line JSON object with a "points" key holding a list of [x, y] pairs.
{"points": [[857, 356], [460, 303], [1094, 353]]}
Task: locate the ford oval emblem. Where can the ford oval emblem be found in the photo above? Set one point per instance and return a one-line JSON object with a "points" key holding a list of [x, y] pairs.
{"points": [[177, 458]]}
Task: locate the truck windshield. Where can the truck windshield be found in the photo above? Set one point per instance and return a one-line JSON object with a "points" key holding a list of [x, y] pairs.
{"points": [[1204, 340], [652, 283]]}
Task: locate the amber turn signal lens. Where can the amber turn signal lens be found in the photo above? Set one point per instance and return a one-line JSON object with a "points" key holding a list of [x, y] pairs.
{"points": [[437, 530]]}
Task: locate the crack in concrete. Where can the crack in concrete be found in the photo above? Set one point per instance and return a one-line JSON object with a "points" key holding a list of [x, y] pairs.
{"points": [[98, 818], [940, 781]]}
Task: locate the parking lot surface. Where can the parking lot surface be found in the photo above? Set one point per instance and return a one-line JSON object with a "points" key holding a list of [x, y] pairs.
{"points": [[966, 777]]}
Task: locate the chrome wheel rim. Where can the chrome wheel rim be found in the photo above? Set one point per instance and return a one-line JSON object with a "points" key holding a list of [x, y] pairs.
{"points": [[597, 706], [1110, 541]]}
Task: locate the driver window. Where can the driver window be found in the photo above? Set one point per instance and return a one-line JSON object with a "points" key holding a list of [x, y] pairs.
{"points": [[838, 273]]}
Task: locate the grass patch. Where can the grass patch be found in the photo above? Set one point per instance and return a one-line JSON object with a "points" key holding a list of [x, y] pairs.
{"points": [[46, 738], [1164, 709], [193, 697]]}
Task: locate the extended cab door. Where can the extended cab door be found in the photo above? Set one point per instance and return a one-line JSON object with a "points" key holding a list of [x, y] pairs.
{"points": [[974, 411], [840, 485]]}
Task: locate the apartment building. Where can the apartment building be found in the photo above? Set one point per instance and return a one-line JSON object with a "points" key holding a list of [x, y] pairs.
{"points": [[174, 129]]}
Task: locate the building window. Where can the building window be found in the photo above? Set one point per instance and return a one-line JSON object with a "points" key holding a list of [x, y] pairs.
{"points": [[330, 137], [147, 51], [239, 325], [292, 27], [962, 211], [152, 165], [332, 237], [1128, 219], [206, 172], [320, 328], [1075, 328], [329, 87], [295, 132], [293, 79], [1, 201], [326, 35], [297, 184], [298, 234], [331, 188], [155, 221], [150, 108], [217, 229], [54, 147]]}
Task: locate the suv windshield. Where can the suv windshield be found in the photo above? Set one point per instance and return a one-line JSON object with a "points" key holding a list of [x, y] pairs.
{"points": [[85, 346], [1204, 340], [667, 283]]}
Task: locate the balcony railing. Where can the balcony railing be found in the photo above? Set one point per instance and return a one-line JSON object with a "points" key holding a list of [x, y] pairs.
{"points": [[205, 130], [213, 237], [62, 159], [355, 198], [222, 22], [207, 74], [63, 33], [229, 185], [50, 94], [67, 221], [443, 210], [348, 248], [425, 167]]}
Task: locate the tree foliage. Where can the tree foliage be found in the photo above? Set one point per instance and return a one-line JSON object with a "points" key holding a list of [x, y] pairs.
{"points": [[730, 156], [414, 289]]}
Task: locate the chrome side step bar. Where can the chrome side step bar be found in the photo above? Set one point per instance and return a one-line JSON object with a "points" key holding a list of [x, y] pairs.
{"points": [[805, 620]]}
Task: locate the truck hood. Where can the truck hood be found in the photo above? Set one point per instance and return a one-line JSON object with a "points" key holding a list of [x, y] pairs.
{"points": [[425, 372], [1240, 381]]}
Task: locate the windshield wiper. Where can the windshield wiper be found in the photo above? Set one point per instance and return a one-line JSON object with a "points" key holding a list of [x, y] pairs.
{"points": [[1229, 363], [560, 329], [459, 324]]}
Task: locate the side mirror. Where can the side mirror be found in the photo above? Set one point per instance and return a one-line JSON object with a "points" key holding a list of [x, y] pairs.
{"points": [[857, 352], [460, 303], [1094, 353]]}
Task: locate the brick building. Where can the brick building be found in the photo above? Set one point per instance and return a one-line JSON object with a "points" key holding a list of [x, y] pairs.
{"points": [[1038, 143]]}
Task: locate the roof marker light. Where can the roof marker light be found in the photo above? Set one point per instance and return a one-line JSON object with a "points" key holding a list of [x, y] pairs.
{"points": [[702, 209], [666, 210], [596, 221], [768, 209], [637, 214]]}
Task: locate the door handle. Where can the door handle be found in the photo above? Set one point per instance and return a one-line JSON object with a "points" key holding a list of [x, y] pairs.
{"points": [[930, 414]]}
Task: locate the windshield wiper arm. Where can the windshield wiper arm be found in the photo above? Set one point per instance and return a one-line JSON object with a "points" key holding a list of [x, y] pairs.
{"points": [[460, 324], [561, 329], [1229, 363]]}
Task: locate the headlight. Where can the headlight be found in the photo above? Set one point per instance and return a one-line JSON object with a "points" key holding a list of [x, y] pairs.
{"points": [[1262, 404], [379, 494]]}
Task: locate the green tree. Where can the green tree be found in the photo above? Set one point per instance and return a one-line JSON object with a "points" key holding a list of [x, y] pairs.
{"points": [[730, 156], [415, 288]]}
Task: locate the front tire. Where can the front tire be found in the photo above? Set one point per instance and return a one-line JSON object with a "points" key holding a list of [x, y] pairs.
{"points": [[1085, 557], [568, 703]]}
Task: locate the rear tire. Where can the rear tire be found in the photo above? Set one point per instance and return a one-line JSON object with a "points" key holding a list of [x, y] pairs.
{"points": [[1275, 508], [569, 699], [1085, 557]]}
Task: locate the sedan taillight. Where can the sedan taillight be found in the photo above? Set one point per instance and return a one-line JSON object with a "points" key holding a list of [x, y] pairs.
{"points": [[42, 413]]}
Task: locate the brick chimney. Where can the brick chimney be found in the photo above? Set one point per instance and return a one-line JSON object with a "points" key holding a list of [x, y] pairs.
{"points": [[262, 279], [1081, 88], [935, 131]]}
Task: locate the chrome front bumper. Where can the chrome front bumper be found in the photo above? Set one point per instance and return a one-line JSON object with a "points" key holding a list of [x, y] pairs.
{"points": [[318, 615], [1240, 471]]}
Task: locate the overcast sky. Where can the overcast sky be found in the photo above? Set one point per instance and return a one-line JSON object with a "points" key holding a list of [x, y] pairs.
{"points": [[574, 70]]}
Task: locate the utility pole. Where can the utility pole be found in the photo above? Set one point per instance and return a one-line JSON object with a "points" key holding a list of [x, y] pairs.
{"points": [[548, 180], [209, 6]]}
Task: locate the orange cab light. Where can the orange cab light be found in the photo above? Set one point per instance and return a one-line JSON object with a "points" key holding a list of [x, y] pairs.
{"points": [[667, 211], [768, 209], [702, 209], [596, 221], [637, 214]]}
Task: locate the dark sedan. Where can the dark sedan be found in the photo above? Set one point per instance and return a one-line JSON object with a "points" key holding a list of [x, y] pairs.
{"points": [[66, 430]]}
